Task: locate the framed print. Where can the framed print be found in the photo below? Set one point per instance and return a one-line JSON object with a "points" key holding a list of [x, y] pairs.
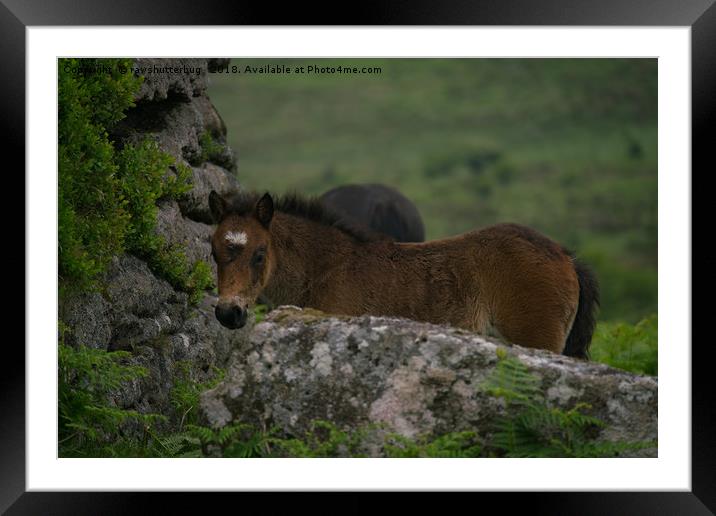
{"points": [[175, 164]]}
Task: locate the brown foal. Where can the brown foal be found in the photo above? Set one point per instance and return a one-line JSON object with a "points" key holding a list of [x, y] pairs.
{"points": [[505, 280]]}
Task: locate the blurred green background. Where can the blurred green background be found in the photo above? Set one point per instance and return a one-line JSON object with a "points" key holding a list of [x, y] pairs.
{"points": [[567, 146]]}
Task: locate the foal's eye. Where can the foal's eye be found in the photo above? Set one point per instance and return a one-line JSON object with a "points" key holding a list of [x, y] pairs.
{"points": [[258, 257]]}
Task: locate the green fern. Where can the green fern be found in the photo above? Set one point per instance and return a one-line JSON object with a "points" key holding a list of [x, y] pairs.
{"points": [[233, 440], [323, 439], [452, 445], [512, 381], [175, 445], [185, 393], [630, 347], [86, 379], [529, 428]]}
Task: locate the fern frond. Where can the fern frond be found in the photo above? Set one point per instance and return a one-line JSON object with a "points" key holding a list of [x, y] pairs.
{"points": [[529, 428], [512, 380]]}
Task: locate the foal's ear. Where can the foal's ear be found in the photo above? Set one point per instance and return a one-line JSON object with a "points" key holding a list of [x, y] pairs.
{"points": [[217, 206], [264, 210]]}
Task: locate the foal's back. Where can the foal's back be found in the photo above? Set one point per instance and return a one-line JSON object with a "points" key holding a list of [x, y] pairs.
{"points": [[507, 280]]}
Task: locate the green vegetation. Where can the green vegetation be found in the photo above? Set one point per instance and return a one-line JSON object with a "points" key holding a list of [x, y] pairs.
{"points": [[171, 263], [89, 422], [630, 347], [210, 149], [185, 393], [323, 439], [530, 428], [235, 440], [92, 217], [450, 446], [567, 146], [107, 200], [260, 311], [92, 426], [108, 196]]}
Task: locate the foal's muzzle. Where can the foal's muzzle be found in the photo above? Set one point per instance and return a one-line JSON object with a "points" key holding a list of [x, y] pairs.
{"points": [[231, 316]]}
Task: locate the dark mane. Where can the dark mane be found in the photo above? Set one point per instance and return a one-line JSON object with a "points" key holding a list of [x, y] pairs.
{"points": [[311, 208]]}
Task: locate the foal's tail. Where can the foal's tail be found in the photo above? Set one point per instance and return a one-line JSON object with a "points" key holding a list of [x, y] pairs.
{"points": [[581, 334]]}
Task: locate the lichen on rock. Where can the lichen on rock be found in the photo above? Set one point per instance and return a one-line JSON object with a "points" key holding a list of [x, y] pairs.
{"points": [[408, 377]]}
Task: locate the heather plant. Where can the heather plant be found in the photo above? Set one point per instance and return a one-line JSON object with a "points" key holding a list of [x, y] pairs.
{"points": [[93, 219], [107, 196]]}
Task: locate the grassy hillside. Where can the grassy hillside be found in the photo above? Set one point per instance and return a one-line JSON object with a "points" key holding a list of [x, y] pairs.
{"points": [[568, 146]]}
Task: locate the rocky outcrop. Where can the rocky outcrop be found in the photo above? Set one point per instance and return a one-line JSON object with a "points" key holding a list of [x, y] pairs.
{"points": [[173, 110], [178, 229], [183, 77], [135, 310], [413, 378], [207, 177]]}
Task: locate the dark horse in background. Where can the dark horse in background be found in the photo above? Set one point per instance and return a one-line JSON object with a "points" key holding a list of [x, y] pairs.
{"points": [[505, 280], [379, 208]]}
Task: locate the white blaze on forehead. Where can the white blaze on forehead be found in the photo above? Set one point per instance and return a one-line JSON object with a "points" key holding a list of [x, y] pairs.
{"points": [[236, 237]]}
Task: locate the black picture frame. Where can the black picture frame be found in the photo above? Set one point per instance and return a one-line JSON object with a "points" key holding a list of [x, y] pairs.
{"points": [[699, 15]]}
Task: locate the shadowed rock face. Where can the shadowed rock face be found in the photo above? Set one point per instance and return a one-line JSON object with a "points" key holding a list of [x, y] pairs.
{"points": [[135, 310], [141, 313], [415, 378]]}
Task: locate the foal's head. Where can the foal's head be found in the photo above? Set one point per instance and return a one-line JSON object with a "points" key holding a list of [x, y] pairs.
{"points": [[241, 247]]}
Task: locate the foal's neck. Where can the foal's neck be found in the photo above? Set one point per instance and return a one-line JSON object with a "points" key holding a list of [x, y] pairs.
{"points": [[306, 252]]}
